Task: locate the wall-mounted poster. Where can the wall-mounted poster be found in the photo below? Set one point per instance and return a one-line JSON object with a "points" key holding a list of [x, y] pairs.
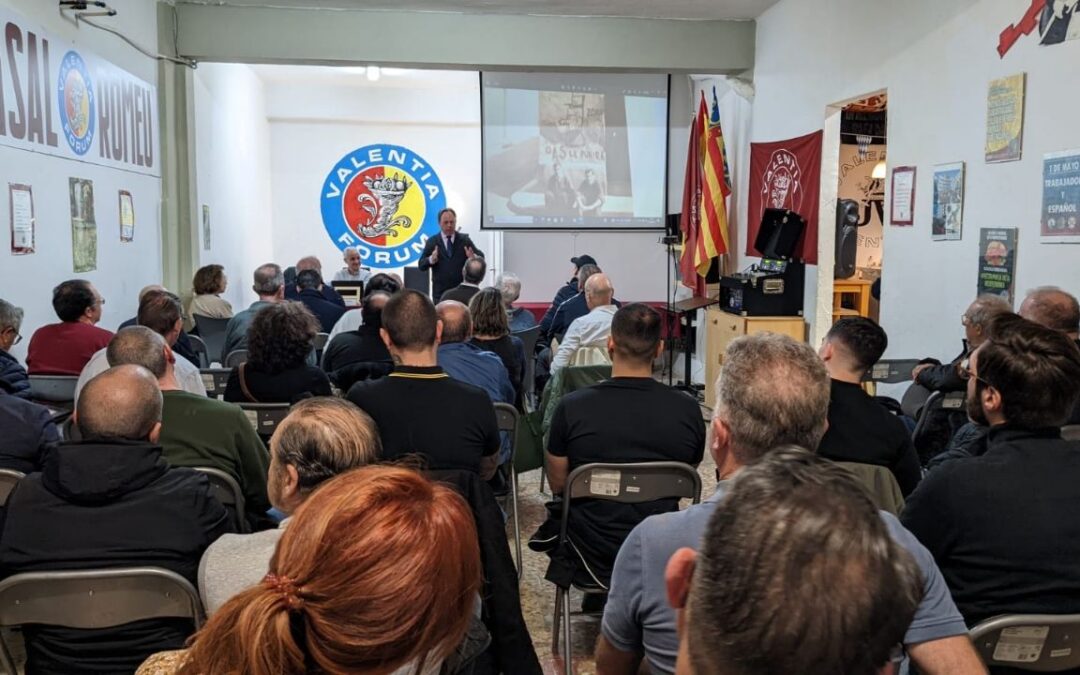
{"points": [[21, 200], [1056, 21], [127, 217], [997, 262], [1005, 119], [1061, 198], [83, 225], [948, 202], [902, 195], [206, 227]]}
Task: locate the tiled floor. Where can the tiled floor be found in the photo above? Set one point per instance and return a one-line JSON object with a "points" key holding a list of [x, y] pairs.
{"points": [[538, 595]]}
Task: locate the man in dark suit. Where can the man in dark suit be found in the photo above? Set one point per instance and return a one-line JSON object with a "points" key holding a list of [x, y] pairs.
{"points": [[473, 274], [309, 286], [446, 254]]}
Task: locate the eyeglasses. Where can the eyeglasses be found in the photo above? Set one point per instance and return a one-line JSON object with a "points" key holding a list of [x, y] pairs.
{"points": [[18, 338], [966, 373], [965, 320]]}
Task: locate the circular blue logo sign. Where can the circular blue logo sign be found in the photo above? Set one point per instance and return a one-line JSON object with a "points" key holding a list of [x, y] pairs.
{"points": [[384, 200], [75, 96]]}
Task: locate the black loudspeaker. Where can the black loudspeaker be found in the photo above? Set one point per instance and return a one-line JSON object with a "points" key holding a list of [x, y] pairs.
{"points": [[418, 280], [671, 224], [779, 233], [847, 238]]}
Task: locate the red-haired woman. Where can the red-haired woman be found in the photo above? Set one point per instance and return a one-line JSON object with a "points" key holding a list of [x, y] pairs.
{"points": [[377, 574]]}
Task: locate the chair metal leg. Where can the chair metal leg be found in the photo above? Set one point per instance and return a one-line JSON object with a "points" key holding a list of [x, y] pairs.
{"points": [[543, 469], [556, 626], [517, 520], [567, 644]]}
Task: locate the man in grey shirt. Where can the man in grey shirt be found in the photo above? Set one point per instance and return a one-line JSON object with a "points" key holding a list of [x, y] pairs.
{"points": [[773, 392], [320, 438], [270, 287]]}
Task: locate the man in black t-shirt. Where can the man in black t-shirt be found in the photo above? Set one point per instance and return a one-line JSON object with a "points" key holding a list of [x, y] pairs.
{"points": [[861, 430], [418, 408], [629, 418]]}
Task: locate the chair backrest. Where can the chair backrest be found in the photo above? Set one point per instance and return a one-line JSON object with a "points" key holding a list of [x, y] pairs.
{"points": [[212, 332], [891, 371], [9, 478], [1071, 432], [933, 429], [53, 388], [320, 341], [215, 380], [200, 349], [508, 419], [226, 490], [235, 358], [880, 483], [69, 431], [1037, 642], [630, 484], [591, 355], [265, 417]]}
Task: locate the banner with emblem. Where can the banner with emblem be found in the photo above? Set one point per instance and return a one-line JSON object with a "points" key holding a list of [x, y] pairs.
{"points": [[60, 100], [786, 175]]}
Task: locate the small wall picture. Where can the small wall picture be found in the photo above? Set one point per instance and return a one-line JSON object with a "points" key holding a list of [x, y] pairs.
{"points": [[1005, 119], [127, 217], [948, 214], [21, 202], [997, 262], [1061, 198], [83, 225]]}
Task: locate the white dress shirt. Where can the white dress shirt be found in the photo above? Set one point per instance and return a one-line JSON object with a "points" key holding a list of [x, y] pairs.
{"points": [[187, 375], [591, 330]]}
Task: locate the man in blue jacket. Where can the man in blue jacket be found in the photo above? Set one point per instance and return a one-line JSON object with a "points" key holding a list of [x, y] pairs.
{"points": [[13, 379]]}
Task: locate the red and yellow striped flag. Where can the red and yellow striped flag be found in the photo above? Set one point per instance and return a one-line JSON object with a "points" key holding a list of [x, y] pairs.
{"points": [[713, 239]]}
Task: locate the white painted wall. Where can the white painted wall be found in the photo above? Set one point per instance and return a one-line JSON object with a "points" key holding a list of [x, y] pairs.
{"points": [[123, 268], [232, 155], [936, 58]]}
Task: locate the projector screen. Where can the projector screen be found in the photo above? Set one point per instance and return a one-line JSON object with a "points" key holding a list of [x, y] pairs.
{"points": [[577, 151]]}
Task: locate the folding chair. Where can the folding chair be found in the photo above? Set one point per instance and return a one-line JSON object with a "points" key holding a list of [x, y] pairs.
{"points": [[320, 345], [235, 358], [1071, 432], [507, 417], [9, 478], [627, 484], [215, 380], [212, 332], [200, 349], [891, 371], [1044, 643], [935, 426], [226, 490], [528, 338], [58, 390], [265, 417], [100, 598]]}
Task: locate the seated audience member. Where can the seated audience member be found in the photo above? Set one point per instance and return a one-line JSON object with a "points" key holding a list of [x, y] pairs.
{"points": [[64, 348], [13, 378], [395, 596], [518, 318], [280, 338], [629, 418], [1057, 310], [352, 270], [310, 284], [352, 319], [183, 345], [360, 354], [418, 408], [976, 321], [270, 287], [464, 361], [565, 314], [491, 332], [861, 430], [472, 276], [28, 431], [160, 312], [590, 332], [755, 600], [320, 439], [565, 292], [207, 286], [773, 391], [110, 500], [197, 431], [1004, 527], [312, 263]]}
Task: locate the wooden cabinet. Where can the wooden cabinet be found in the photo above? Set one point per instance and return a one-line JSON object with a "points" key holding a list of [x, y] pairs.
{"points": [[722, 328]]}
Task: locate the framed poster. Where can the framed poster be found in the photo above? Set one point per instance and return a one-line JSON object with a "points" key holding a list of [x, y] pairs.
{"points": [[902, 194], [948, 210], [1061, 198], [83, 225], [1005, 119], [127, 217], [21, 201], [997, 262]]}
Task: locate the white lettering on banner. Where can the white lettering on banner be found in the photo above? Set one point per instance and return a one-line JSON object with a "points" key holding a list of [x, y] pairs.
{"points": [[395, 157], [51, 89]]}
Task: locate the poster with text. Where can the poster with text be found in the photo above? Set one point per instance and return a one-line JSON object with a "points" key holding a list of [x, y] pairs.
{"points": [[83, 225], [1061, 198], [948, 213], [1005, 119], [21, 200], [997, 262], [127, 217]]}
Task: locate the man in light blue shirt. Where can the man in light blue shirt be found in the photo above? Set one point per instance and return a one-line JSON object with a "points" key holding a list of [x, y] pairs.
{"points": [[773, 391]]}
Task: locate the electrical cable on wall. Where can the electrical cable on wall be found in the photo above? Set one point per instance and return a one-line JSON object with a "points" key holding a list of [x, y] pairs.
{"points": [[81, 10]]}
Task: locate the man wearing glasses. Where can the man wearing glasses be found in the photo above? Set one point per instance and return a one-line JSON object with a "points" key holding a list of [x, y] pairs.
{"points": [[13, 378], [28, 427], [1004, 527], [976, 320], [64, 348]]}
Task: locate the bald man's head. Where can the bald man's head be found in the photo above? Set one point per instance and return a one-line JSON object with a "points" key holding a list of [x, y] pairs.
{"points": [[456, 320], [371, 312], [309, 262], [138, 346], [121, 403], [598, 290], [1053, 308]]}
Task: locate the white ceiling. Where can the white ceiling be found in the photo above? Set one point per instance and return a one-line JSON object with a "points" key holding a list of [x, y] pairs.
{"points": [[653, 9]]}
